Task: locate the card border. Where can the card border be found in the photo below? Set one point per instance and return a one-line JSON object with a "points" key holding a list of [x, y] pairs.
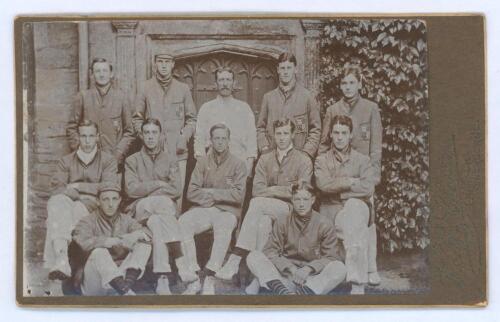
{"points": [[457, 104]]}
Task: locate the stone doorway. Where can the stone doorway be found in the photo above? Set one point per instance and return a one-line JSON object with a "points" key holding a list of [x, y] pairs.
{"points": [[254, 76]]}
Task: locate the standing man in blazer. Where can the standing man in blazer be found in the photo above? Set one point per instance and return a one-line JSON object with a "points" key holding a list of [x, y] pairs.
{"points": [[170, 101], [109, 108], [292, 101]]}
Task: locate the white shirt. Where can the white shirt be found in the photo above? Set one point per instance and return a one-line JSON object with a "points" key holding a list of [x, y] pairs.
{"points": [[237, 116]]}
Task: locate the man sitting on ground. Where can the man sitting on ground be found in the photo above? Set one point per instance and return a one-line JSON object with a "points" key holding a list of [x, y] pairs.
{"points": [[117, 246], [301, 254]]}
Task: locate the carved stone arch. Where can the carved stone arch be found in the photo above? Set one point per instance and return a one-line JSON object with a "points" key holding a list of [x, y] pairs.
{"points": [[228, 48]]}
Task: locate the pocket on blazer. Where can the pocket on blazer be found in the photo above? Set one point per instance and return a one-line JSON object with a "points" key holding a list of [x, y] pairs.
{"points": [[365, 130], [300, 123], [178, 110]]}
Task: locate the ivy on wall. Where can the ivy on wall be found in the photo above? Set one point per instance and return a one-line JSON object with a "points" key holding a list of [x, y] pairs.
{"points": [[393, 56]]}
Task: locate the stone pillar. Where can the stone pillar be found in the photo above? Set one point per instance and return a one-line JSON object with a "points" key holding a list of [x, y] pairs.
{"points": [[125, 56], [83, 55], [313, 29]]}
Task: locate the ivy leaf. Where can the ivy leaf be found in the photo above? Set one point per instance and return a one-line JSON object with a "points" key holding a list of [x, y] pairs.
{"points": [[420, 45], [381, 36], [416, 69]]}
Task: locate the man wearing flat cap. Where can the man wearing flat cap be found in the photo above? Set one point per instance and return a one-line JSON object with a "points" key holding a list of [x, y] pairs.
{"points": [[117, 246], [170, 101]]}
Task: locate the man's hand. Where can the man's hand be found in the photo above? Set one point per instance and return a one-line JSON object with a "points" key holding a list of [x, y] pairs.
{"points": [[129, 240], [249, 165], [277, 192], [73, 185], [112, 241], [266, 194], [208, 200], [181, 144], [265, 149], [119, 158], [354, 181], [301, 275], [72, 193]]}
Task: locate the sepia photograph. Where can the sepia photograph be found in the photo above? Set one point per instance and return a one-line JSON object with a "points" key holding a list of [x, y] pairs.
{"points": [[226, 157]]}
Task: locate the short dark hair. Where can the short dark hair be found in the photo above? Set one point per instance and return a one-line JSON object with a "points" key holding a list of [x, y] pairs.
{"points": [[151, 121], [284, 122], [342, 120], [287, 56], [303, 185], [223, 69], [87, 122], [220, 126], [353, 70], [100, 60]]}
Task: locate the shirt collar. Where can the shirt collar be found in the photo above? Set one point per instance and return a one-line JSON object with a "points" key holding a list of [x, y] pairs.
{"points": [[219, 159], [163, 81], [86, 158], [282, 154], [351, 102], [224, 99], [106, 223], [103, 90], [301, 222], [342, 156], [153, 154], [287, 90]]}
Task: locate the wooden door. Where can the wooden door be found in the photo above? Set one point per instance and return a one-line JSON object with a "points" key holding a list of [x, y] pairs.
{"points": [[253, 77]]}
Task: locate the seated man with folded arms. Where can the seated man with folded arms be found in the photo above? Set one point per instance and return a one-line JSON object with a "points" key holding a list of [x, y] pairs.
{"points": [[153, 181], [301, 254], [116, 246], [347, 180], [275, 173], [217, 188], [76, 180]]}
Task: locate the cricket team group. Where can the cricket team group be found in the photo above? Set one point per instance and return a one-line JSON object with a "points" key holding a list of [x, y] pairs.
{"points": [[124, 209]]}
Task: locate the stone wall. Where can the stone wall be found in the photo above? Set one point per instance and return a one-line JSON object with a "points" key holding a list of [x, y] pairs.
{"points": [[56, 83]]}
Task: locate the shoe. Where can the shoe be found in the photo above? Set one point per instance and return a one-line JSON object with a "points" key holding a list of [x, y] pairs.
{"points": [[130, 293], [193, 288], [60, 271], [208, 286], [55, 288], [357, 289], [57, 275], [231, 267], [186, 275], [186, 272], [253, 288], [120, 285], [373, 278], [163, 286]]}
